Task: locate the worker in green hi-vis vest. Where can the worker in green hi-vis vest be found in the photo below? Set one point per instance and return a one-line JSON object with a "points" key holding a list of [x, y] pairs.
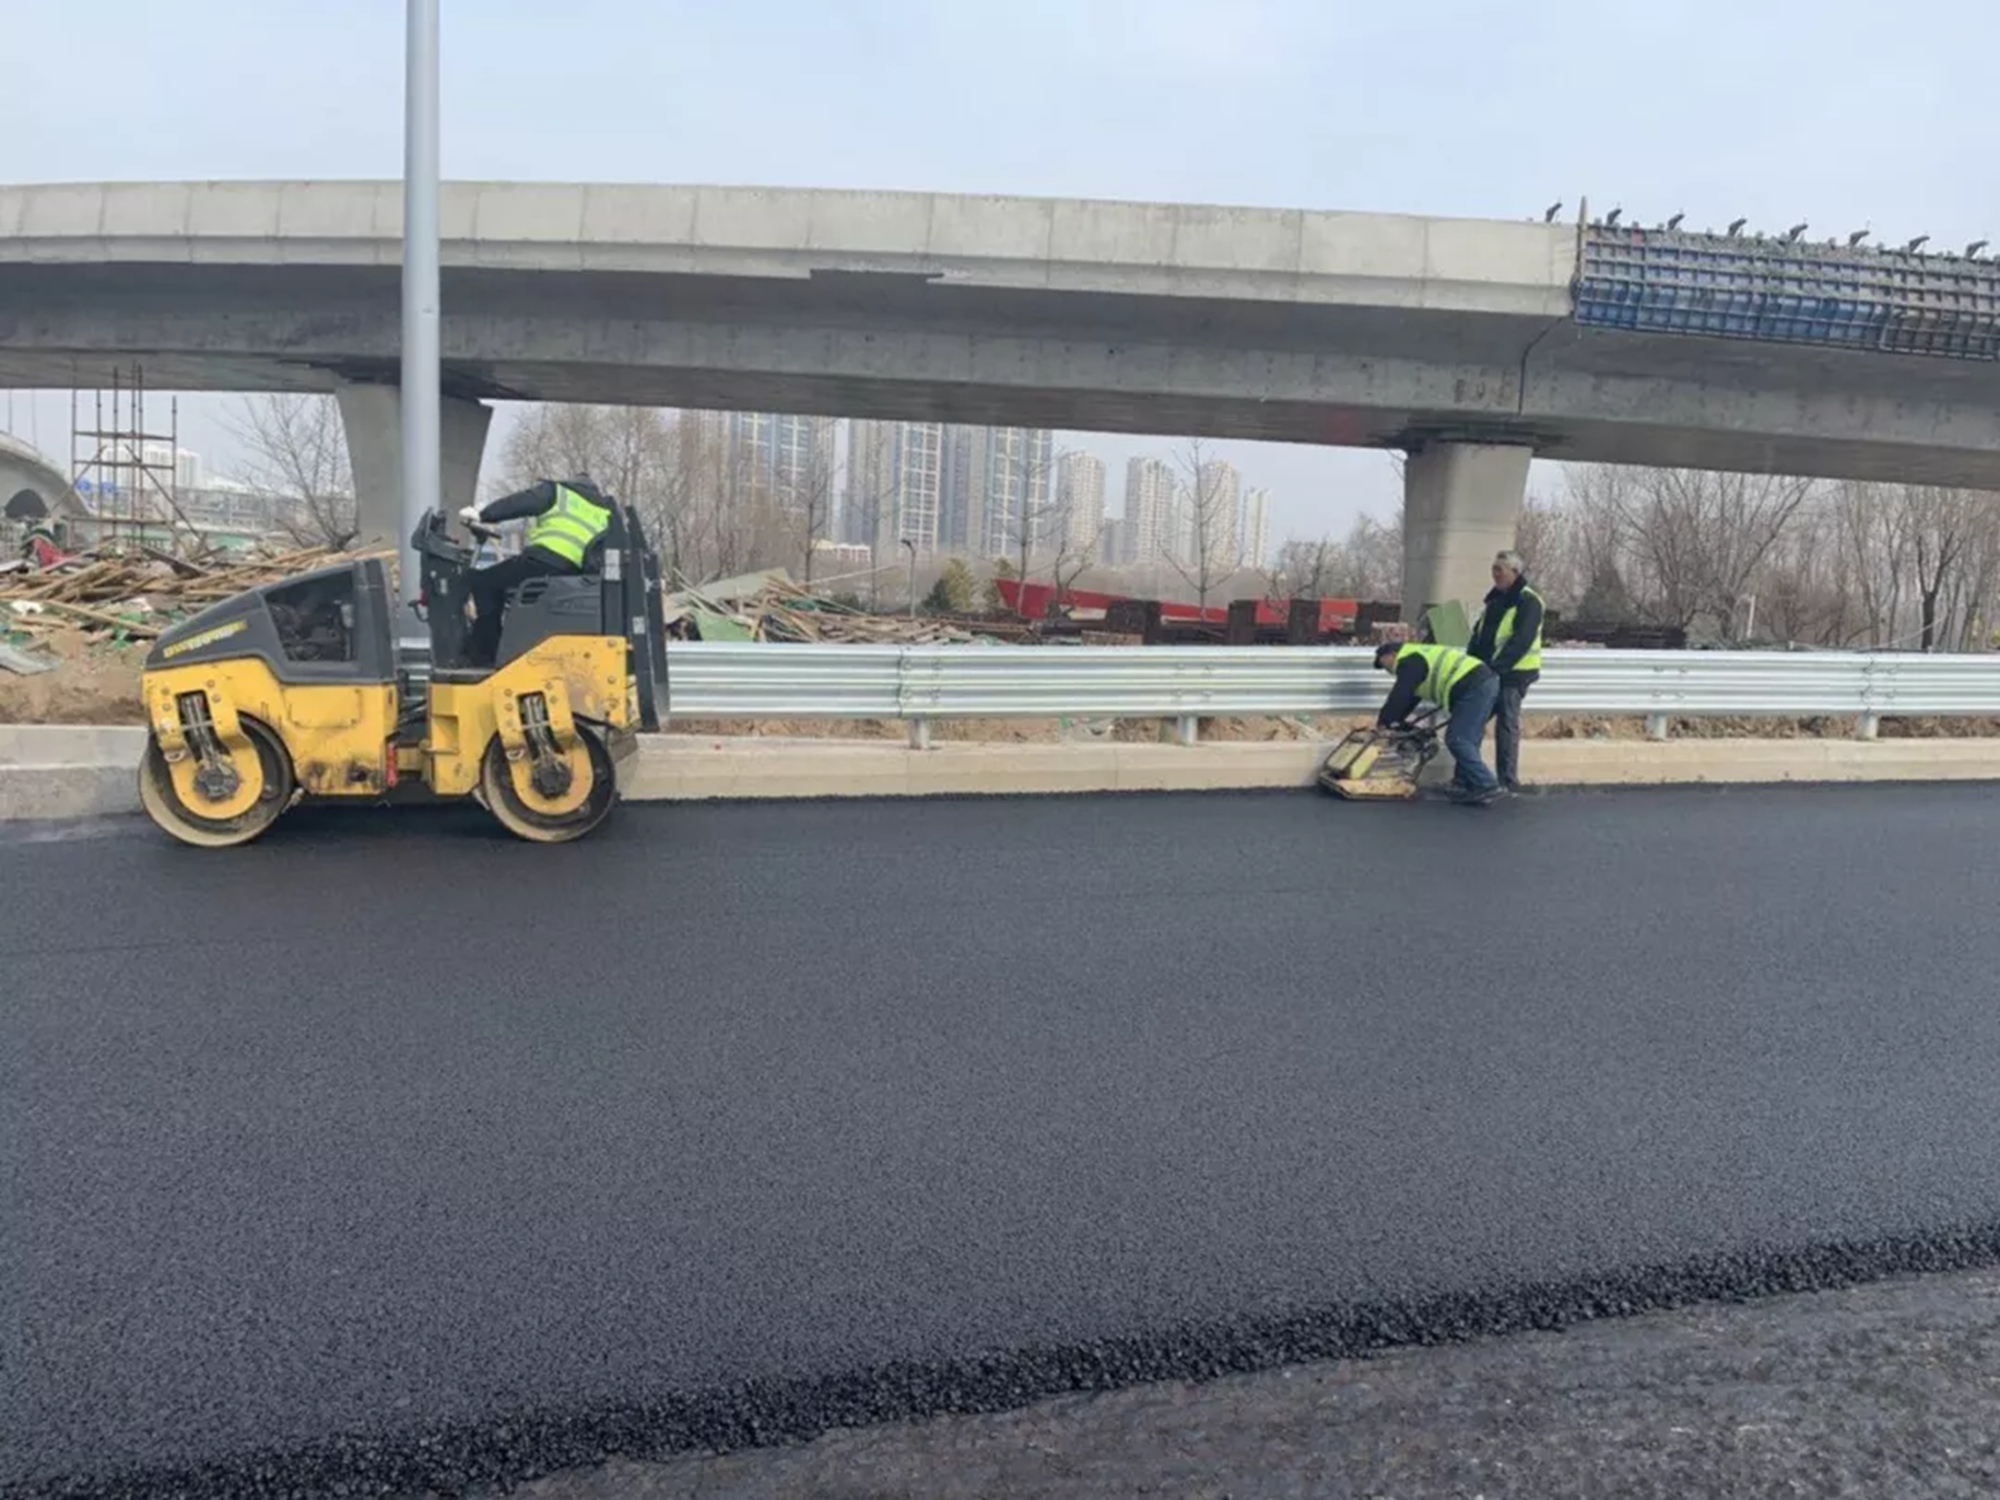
{"points": [[569, 518], [1464, 687], [1507, 636]]}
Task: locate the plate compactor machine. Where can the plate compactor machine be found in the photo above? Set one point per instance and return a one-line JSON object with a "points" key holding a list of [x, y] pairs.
{"points": [[294, 691], [1377, 764]]}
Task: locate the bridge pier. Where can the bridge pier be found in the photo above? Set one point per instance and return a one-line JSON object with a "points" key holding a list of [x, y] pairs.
{"points": [[373, 417], [1461, 503]]}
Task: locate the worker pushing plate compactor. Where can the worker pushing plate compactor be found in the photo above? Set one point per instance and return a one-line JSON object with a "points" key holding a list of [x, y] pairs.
{"points": [[1387, 762], [1379, 763], [294, 691]]}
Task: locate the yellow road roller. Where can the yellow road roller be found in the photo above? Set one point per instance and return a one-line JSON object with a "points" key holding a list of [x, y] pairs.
{"points": [[295, 692]]}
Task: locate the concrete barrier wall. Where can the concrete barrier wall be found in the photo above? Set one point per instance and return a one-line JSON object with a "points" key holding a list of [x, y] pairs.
{"points": [[51, 772]]}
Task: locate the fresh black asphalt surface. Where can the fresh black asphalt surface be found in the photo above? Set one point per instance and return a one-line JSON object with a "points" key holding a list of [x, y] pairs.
{"points": [[392, 1153]]}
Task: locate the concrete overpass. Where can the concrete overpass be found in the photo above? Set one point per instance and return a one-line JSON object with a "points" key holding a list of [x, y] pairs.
{"points": [[25, 471], [1464, 342]]}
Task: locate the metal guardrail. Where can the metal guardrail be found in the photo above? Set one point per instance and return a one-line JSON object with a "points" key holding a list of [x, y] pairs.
{"points": [[920, 683]]}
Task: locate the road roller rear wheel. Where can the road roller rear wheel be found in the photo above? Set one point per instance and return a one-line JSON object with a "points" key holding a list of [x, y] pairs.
{"points": [[164, 806]]}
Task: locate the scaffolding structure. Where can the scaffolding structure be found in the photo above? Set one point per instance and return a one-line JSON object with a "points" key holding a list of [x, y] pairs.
{"points": [[117, 470], [1781, 291]]}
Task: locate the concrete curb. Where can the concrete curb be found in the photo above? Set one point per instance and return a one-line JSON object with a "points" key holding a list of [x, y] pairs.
{"points": [[681, 769], [61, 771], [50, 771]]}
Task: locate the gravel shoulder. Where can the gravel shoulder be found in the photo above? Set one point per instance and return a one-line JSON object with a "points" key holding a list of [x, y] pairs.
{"points": [[1885, 1390]]}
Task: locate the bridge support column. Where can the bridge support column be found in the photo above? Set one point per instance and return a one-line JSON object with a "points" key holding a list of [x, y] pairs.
{"points": [[1461, 503], [373, 417]]}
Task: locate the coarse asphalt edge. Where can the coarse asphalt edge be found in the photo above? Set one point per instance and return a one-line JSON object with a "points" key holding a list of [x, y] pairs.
{"points": [[59, 772], [493, 1455]]}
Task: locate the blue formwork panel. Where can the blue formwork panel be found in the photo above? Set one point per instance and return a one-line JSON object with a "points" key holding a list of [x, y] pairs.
{"points": [[1664, 281]]}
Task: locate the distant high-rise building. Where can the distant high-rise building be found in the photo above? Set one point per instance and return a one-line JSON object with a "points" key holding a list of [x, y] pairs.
{"points": [[961, 516], [1211, 518], [777, 458], [706, 427], [1256, 529], [1152, 513], [1080, 501], [894, 471], [997, 482], [1112, 548], [798, 451]]}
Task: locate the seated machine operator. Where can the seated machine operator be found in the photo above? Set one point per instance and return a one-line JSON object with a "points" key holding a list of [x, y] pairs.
{"points": [[569, 517]]}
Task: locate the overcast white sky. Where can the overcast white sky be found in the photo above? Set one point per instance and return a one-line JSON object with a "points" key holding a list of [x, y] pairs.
{"points": [[1844, 113]]}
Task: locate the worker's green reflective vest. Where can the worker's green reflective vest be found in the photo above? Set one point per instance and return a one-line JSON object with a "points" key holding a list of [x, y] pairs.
{"points": [[568, 527], [1531, 659], [1448, 665]]}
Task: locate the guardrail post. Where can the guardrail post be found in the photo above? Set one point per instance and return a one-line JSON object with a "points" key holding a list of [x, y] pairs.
{"points": [[1184, 729], [1868, 726], [1656, 726], [918, 687]]}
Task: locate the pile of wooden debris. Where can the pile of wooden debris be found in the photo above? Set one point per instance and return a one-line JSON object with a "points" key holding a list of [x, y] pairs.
{"points": [[139, 593], [769, 606]]}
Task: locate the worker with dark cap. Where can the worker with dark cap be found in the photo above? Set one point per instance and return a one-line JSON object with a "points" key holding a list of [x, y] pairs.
{"points": [[1507, 636], [569, 517], [1464, 687]]}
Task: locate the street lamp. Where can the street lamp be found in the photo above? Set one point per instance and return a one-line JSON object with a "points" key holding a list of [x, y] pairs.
{"points": [[421, 376]]}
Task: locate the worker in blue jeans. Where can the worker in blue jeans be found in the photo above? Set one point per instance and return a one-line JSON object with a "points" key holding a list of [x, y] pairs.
{"points": [[1465, 688]]}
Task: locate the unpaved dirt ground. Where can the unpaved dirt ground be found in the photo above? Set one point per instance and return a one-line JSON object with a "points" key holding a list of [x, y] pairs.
{"points": [[98, 683]]}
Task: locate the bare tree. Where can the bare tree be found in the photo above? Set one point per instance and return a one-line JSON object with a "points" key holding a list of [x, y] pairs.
{"points": [[705, 483], [1872, 559], [1036, 510], [625, 449], [1365, 564], [1303, 569], [1698, 538], [726, 514], [1076, 532], [1547, 537], [296, 451], [1070, 563], [870, 500], [746, 525], [1802, 593], [1941, 528], [1979, 628], [1209, 511], [808, 500], [1843, 565], [628, 450], [1372, 559]]}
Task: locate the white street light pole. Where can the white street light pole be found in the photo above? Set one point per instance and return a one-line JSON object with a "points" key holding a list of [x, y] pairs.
{"points": [[421, 380]]}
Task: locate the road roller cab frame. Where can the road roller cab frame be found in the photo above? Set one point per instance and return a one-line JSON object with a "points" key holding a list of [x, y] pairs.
{"points": [[294, 691]]}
